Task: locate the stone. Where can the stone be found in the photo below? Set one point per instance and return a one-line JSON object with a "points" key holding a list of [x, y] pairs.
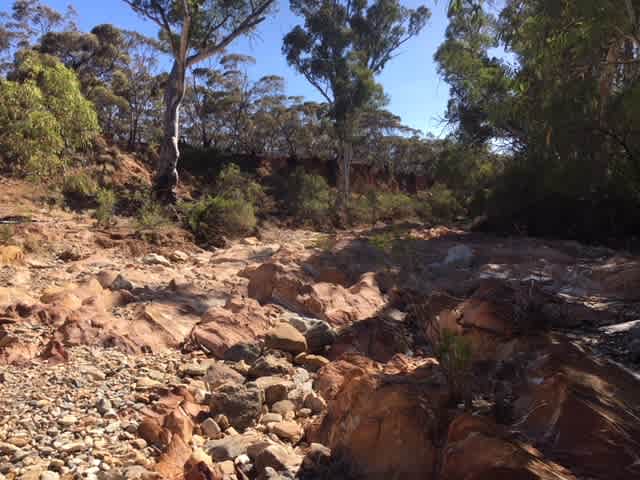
{"points": [[288, 431], [72, 447], [231, 447], [241, 404], [218, 373], [155, 259], [278, 458], [210, 428], [318, 456], [270, 365], [49, 475], [275, 388], [283, 407], [104, 405], [318, 333], [271, 418], [304, 413], [93, 373], [311, 362], [227, 467], [194, 370], [247, 352], [286, 338], [67, 420], [315, 403], [459, 256], [179, 256], [121, 283]]}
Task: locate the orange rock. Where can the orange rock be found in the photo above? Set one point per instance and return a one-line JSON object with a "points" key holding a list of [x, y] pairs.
{"points": [[476, 449]]}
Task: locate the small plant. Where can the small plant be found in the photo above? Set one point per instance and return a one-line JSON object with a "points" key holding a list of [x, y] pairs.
{"points": [[151, 215], [454, 354], [106, 206], [6, 234]]}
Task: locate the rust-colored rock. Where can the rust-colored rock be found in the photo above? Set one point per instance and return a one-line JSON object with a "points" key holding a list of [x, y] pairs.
{"points": [[476, 449], [384, 422], [242, 320]]}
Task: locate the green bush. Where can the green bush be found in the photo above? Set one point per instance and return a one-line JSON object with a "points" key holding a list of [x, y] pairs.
{"points": [[441, 204], [395, 206], [373, 207], [233, 184], [79, 189], [43, 116], [454, 354], [106, 206], [152, 215], [6, 234], [213, 218], [310, 199]]}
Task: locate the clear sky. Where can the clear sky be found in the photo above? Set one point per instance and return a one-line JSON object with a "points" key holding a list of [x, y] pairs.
{"points": [[411, 81]]}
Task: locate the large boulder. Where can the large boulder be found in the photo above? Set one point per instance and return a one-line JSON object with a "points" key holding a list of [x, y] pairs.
{"points": [[239, 321], [477, 449], [383, 420], [328, 301]]}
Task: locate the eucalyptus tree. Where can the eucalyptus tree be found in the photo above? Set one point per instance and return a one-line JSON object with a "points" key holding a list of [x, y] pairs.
{"points": [[340, 49], [192, 31]]}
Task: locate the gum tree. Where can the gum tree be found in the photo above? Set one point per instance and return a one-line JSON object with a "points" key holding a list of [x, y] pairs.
{"points": [[341, 47], [192, 31]]}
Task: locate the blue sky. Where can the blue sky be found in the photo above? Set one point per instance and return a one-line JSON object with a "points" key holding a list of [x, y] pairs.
{"points": [[411, 81]]}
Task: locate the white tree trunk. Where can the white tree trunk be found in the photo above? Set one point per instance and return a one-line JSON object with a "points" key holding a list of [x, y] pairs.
{"points": [[167, 178]]}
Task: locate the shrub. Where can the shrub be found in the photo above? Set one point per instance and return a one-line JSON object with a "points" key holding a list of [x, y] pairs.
{"points": [[382, 206], [310, 198], [233, 184], [106, 205], [152, 215], [442, 204], [454, 354], [213, 218], [364, 208], [6, 234], [79, 189], [43, 115], [395, 206]]}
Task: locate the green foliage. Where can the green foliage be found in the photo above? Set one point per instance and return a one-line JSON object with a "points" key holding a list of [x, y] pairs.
{"points": [[106, 206], [310, 199], [442, 203], [43, 117], [341, 48], [395, 206], [29, 137], [75, 115], [6, 234], [213, 218], [233, 184], [152, 215], [79, 189], [565, 107], [455, 354]]}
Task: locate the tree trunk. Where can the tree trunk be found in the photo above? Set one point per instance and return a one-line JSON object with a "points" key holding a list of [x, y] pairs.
{"points": [[167, 178], [344, 180]]}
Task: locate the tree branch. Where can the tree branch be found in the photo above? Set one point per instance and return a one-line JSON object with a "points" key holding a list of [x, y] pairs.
{"points": [[161, 21], [251, 21]]}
